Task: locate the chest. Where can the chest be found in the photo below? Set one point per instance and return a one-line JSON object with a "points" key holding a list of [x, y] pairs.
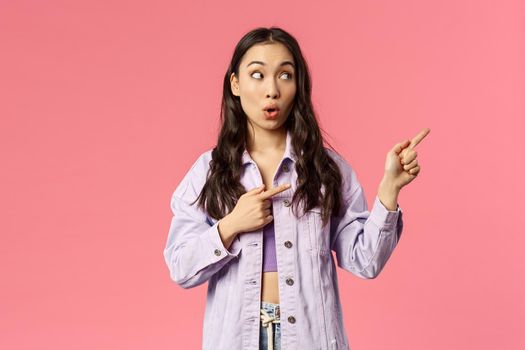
{"points": [[267, 165]]}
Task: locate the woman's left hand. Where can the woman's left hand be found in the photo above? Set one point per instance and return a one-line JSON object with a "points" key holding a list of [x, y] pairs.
{"points": [[401, 165]]}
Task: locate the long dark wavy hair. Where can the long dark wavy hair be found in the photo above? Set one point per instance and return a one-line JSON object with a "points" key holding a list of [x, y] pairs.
{"points": [[314, 166]]}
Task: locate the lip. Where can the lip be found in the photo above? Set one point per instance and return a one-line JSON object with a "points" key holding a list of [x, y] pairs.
{"points": [[271, 106], [274, 115]]}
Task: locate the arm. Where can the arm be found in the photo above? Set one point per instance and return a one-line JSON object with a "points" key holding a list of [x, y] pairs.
{"points": [[196, 249], [364, 240]]}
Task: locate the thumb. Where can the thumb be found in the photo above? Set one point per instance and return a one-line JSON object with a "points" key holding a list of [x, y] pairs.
{"points": [[257, 190], [400, 146]]}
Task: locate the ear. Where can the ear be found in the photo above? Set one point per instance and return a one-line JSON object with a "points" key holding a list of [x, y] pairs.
{"points": [[234, 83]]}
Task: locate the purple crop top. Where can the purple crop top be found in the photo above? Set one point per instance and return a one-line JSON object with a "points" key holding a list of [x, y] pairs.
{"points": [[269, 257]]}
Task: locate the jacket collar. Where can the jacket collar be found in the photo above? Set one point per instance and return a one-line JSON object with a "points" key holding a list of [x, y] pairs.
{"points": [[288, 152]]}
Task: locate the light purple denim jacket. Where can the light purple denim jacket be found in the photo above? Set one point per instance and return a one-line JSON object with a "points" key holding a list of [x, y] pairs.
{"points": [[311, 313]]}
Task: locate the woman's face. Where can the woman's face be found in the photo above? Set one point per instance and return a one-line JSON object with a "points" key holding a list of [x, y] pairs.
{"points": [[266, 77]]}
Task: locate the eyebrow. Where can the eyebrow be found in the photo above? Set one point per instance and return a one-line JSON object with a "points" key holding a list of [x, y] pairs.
{"points": [[284, 63]]}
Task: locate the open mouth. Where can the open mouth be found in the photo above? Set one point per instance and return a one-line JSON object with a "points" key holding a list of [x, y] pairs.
{"points": [[271, 112]]}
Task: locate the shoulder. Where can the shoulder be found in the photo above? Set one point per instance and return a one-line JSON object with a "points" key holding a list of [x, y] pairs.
{"points": [[195, 177]]}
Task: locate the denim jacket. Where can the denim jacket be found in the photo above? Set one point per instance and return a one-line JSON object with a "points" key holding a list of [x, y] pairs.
{"points": [[311, 313]]}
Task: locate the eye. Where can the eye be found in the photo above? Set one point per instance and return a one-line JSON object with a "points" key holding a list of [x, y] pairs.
{"points": [[290, 75]]}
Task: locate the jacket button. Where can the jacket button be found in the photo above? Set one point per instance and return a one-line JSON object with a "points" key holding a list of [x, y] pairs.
{"points": [[217, 252], [285, 168], [291, 319], [289, 281], [286, 203], [288, 244]]}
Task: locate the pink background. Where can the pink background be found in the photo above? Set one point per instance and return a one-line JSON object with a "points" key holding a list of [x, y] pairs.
{"points": [[104, 105]]}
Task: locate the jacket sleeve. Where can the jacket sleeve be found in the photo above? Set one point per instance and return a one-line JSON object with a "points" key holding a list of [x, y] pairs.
{"points": [[364, 240], [194, 250]]}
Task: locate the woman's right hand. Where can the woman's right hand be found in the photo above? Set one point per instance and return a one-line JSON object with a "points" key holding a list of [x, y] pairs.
{"points": [[252, 210]]}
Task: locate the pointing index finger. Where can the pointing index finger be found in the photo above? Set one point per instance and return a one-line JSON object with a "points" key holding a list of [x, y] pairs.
{"points": [[273, 191], [417, 139]]}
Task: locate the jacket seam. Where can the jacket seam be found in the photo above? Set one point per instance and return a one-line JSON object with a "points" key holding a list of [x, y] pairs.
{"points": [[318, 262], [381, 236]]}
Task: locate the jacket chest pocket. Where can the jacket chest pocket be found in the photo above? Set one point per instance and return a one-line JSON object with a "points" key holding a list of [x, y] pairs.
{"points": [[318, 235]]}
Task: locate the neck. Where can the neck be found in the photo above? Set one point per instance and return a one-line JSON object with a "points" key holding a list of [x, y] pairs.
{"points": [[262, 141]]}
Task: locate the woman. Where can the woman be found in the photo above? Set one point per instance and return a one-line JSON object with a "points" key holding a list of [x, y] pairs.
{"points": [[258, 215]]}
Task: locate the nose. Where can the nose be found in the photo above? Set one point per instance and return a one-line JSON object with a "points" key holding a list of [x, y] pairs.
{"points": [[272, 89]]}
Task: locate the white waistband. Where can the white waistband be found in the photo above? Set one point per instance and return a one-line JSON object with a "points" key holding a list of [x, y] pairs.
{"points": [[267, 323]]}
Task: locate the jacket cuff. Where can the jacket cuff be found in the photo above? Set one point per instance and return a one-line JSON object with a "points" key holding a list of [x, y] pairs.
{"points": [[217, 249], [382, 217]]}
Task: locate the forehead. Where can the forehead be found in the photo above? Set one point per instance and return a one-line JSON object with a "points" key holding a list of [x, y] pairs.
{"points": [[271, 54]]}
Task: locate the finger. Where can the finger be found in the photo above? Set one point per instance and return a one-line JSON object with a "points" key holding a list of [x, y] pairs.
{"points": [[417, 139], [408, 156], [401, 146], [273, 191], [256, 190], [267, 203], [410, 165], [267, 218], [415, 170]]}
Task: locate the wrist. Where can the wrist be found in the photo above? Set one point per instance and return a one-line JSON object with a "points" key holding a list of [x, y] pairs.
{"points": [[227, 228], [388, 193], [389, 185]]}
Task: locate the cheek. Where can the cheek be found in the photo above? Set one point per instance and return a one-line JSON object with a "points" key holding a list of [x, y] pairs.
{"points": [[250, 94], [290, 96], [290, 89], [250, 103]]}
